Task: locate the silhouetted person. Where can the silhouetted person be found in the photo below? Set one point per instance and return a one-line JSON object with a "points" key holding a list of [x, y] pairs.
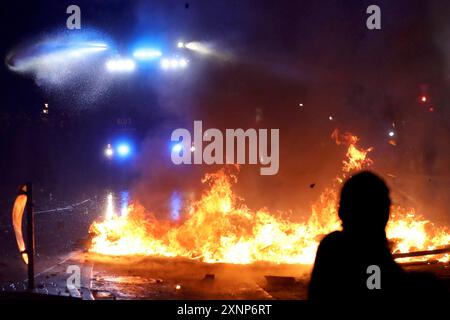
{"points": [[343, 257]]}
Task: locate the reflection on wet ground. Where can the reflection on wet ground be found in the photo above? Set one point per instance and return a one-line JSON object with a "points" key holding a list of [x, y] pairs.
{"points": [[173, 278]]}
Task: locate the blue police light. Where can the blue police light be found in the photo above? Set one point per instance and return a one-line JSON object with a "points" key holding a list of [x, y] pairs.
{"points": [[177, 147], [146, 54], [123, 149]]}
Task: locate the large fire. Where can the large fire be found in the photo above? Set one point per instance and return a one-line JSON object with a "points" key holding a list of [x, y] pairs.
{"points": [[221, 228]]}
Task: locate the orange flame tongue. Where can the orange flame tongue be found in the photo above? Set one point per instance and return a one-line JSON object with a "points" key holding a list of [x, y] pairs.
{"points": [[221, 228], [218, 229]]}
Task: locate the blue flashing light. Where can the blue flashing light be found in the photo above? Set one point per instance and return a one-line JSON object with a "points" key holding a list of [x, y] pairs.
{"points": [[177, 147], [146, 54], [123, 150]]}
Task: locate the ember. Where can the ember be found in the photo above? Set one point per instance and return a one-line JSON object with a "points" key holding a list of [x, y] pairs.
{"points": [[221, 228]]}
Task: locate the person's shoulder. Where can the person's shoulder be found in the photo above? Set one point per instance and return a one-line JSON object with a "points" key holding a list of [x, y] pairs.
{"points": [[332, 239], [335, 235]]}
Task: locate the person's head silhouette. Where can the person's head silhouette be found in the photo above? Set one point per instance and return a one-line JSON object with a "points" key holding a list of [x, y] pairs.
{"points": [[364, 205]]}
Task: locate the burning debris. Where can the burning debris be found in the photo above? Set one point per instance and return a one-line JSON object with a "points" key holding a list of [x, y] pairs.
{"points": [[221, 228]]}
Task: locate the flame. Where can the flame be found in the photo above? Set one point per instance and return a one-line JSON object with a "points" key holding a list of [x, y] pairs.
{"points": [[219, 226], [17, 214]]}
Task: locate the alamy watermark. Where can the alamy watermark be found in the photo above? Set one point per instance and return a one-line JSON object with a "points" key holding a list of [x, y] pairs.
{"points": [[373, 22], [74, 20], [73, 282], [192, 151], [374, 280]]}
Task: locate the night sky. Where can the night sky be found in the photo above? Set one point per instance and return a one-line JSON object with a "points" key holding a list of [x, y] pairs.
{"points": [[273, 56]]}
